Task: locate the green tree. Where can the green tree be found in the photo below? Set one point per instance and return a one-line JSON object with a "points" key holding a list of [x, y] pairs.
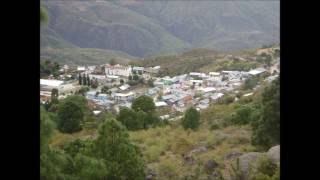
{"points": [[122, 158], [121, 81], [104, 89], [54, 94], [129, 119], [135, 77], [150, 83], [266, 130], [84, 80], [130, 78], [44, 18], [70, 116], [80, 79], [144, 103], [88, 80], [191, 119], [112, 62]]}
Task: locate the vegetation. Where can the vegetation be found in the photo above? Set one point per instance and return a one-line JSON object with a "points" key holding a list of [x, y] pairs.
{"points": [[266, 130], [191, 119], [70, 116], [48, 68]]}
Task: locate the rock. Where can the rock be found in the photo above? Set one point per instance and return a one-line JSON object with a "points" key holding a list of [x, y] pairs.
{"points": [[216, 175], [232, 155], [210, 166], [150, 174], [199, 150], [188, 159], [248, 159], [274, 154]]}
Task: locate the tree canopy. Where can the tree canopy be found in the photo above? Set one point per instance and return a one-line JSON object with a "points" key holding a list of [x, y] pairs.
{"points": [[191, 119], [144, 103]]}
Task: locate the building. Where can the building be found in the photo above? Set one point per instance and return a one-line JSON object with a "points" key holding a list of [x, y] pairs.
{"points": [[123, 97], [257, 71], [138, 69], [118, 70], [161, 104], [216, 96], [124, 87]]}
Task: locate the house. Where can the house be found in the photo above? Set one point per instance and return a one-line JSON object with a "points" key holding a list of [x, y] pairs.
{"points": [[102, 97], [138, 69], [49, 84], [124, 87], [81, 68], [164, 117], [216, 96], [207, 89], [123, 97], [161, 104], [118, 70], [91, 95], [96, 112], [257, 71], [214, 74]]}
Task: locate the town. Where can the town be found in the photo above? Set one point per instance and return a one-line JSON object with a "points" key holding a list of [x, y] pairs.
{"points": [[110, 87]]}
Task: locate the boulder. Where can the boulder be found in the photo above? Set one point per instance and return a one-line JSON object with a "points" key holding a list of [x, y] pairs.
{"points": [[210, 166], [274, 154], [232, 155], [188, 159], [247, 160], [199, 150]]}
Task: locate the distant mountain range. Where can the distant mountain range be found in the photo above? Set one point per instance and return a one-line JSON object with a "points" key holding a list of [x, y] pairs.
{"points": [[136, 28]]}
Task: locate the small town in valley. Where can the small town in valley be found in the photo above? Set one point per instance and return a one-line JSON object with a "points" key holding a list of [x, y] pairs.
{"points": [[110, 87]]}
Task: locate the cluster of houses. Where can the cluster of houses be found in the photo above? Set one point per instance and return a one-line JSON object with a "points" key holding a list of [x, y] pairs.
{"points": [[179, 92]]}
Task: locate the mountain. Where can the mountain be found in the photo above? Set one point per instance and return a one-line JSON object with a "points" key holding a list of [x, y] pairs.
{"points": [[149, 28]]}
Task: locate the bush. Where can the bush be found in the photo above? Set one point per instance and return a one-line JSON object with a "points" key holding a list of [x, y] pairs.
{"points": [[191, 119], [70, 116]]}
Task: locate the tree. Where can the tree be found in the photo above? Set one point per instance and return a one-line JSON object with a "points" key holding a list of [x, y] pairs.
{"points": [[191, 119], [84, 80], [144, 103], [130, 78], [122, 158], [112, 62], [80, 79], [104, 89], [135, 77], [129, 119], [88, 80], [54, 94], [70, 117], [121, 81], [43, 15], [266, 130], [150, 82]]}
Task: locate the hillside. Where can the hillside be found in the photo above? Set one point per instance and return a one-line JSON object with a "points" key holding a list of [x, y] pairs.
{"points": [[149, 28], [205, 60], [104, 25]]}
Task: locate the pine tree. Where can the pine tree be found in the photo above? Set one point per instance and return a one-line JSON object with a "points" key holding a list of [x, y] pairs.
{"points": [[191, 119], [88, 80], [80, 79], [84, 80], [122, 158]]}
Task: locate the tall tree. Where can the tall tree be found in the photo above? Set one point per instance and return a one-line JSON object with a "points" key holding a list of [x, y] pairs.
{"points": [[88, 80], [54, 94], [84, 80], [80, 79], [144, 103], [129, 119], [122, 158], [70, 116], [266, 130], [191, 119]]}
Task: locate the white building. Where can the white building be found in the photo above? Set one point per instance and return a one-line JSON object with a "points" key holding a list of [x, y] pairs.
{"points": [[118, 70]]}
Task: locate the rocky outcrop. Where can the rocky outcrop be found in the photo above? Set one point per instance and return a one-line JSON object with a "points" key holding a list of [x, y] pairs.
{"points": [[274, 154], [232, 155], [247, 160], [210, 166]]}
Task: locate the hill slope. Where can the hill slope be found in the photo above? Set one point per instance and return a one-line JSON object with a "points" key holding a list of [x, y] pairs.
{"points": [[146, 28]]}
